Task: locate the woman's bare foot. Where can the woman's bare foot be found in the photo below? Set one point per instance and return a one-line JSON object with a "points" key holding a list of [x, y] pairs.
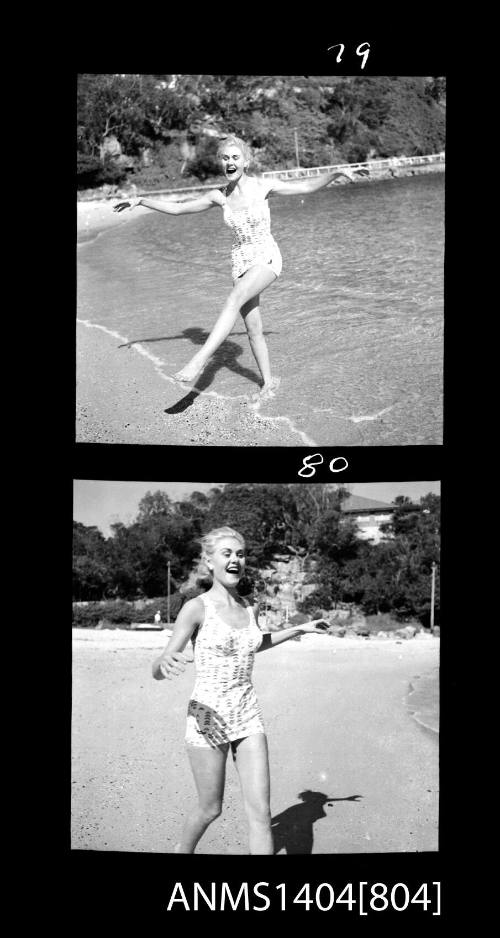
{"points": [[268, 389], [189, 373]]}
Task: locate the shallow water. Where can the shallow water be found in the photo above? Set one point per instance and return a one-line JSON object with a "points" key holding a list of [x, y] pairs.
{"points": [[354, 324], [423, 700]]}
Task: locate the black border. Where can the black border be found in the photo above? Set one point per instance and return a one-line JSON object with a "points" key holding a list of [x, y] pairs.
{"points": [[259, 463], [134, 888]]}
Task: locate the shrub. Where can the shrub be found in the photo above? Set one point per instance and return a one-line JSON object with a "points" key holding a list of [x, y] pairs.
{"points": [[92, 172], [206, 162], [319, 599], [152, 177], [120, 612], [86, 617], [149, 610], [385, 622], [114, 612]]}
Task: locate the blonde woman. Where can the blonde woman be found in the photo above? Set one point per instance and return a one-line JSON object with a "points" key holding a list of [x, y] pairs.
{"points": [[255, 256], [223, 712]]}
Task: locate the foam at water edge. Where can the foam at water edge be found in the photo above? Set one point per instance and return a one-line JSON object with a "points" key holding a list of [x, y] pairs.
{"points": [[159, 364], [420, 701]]}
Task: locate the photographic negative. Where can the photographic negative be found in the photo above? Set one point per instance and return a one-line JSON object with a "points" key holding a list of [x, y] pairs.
{"points": [[260, 260], [328, 742]]}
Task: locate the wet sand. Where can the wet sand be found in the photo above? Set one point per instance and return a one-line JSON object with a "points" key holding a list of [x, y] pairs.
{"points": [[340, 730], [121, 398]]}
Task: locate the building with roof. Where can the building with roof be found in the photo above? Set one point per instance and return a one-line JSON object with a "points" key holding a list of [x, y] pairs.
{"points": [[369, 515]]}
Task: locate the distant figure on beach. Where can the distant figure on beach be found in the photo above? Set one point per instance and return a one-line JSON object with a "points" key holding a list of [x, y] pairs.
{"points": [[256, 258], [223, 712]]}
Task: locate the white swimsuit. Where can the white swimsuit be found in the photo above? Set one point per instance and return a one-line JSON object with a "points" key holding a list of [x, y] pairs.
{"points": [[223, 706], [253, 242]]}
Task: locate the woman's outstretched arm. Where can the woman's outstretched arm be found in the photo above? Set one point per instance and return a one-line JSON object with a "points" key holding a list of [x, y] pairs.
{"points": [[304, 186], [172, 208], [271, 639], [172, 661]]}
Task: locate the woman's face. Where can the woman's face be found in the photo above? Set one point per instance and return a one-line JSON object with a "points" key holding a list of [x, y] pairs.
{"points": [[228, 561], [233, 162]]}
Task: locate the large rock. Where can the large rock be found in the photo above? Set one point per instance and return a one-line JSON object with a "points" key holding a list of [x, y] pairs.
{"points": [[338, 630], [409, 631], [360, 627]]}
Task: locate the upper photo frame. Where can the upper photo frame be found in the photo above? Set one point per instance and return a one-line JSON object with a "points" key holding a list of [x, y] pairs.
{"points": [[260, 259]]}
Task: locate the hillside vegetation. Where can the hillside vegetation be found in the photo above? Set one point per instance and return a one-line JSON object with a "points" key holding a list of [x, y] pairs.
{"points": [[163, 130], [306, 521]]}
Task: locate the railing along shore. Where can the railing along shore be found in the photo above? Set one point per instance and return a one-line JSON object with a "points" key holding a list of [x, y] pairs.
{"points": [[391, 163], [299, 172]]}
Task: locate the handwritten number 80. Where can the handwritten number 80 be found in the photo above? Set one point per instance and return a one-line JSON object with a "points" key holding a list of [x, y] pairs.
{"points": [[316, 459]]}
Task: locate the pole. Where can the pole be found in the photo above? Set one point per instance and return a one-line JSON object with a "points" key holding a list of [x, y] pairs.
{"points": [[168, 592], [296, 147], [433, 593]]}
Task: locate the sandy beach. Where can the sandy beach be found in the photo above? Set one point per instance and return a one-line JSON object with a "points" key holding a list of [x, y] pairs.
{"points": [[120, 398], [341, 734]]}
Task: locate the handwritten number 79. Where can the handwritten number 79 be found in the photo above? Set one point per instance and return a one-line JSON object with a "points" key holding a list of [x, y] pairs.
{"points": [[363, 50]]}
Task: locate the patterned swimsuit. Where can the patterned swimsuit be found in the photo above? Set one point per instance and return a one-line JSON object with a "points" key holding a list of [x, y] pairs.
{"points": [[223, 705], [253, 242]]}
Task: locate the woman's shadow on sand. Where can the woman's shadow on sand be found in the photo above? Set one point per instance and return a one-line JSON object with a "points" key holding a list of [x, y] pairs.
{"points": [[293, 828], [225, 357]]}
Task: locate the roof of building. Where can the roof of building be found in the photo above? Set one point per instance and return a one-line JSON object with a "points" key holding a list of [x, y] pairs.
{"points": [[356, 504]]}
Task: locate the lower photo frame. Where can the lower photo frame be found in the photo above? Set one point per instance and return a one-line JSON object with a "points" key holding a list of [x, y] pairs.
{"points": [[325, 750]]}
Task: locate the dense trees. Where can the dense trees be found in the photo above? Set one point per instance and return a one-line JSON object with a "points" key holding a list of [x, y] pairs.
{"points": [[167, 126], [391, 576], [91, 562]]}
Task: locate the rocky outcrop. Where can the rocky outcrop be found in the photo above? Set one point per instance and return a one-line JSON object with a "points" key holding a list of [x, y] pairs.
{"points": [[285, 586], [409, 631]]}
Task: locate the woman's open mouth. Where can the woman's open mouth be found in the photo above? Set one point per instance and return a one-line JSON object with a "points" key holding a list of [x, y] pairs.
{"points": [[233, 568]]}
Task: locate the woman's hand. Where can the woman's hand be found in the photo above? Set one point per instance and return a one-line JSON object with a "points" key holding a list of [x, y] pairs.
{"points": [[319, 626], [169, 665], [121, 206]]}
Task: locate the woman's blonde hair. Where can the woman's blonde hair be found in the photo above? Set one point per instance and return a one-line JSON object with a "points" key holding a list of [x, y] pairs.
{"points": [[209, 540], [231, 139], [201, 575]]}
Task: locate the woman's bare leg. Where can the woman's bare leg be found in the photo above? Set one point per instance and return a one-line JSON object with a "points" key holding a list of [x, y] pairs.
{"points": [[252, 762], [251, 284], [209, 770], [253, 324]]}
